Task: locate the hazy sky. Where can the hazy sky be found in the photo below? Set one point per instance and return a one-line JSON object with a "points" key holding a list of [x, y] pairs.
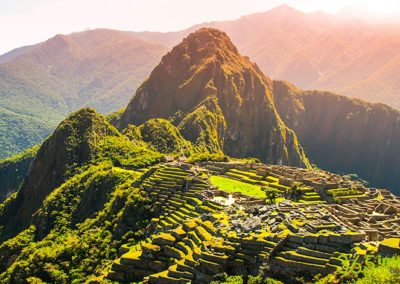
{"points": [[24, 22]]}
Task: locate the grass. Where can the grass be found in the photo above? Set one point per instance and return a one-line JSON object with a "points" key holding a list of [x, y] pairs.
{"points": [[387, 272], [230, 185], [393, 242], [151, 247]]}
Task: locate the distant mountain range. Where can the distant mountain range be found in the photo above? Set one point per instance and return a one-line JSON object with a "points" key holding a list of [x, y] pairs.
{"points": [[102, 68], [315, 51], [40, 85]]}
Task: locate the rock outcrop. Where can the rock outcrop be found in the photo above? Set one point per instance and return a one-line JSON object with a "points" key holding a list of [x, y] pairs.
{"points": [[342, 134]]}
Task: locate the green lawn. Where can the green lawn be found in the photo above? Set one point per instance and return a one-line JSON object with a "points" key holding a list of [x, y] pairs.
{"points": [[231, 185]]}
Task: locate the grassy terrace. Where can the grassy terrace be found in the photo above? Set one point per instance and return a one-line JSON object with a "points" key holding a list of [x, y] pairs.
{"points": [[309, 195], [252, 177], [345, 193], [250, 183], [231, 185]]}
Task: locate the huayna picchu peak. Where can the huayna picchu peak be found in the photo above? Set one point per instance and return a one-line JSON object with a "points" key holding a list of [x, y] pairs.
{"points": [[207, 65], [202, 179]]}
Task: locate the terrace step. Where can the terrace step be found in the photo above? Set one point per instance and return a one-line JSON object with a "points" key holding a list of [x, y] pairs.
{"points": [[314, 253], [165, 279], [175, 273], [299, 264], [293, 255]]}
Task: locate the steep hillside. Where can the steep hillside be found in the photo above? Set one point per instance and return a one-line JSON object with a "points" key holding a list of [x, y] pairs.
{"points": [[207, 66], [42, 84], [19, 131], [72, 144], [204, 126], [14, 170], [78, 228], [15, 53], [315, 50], [163, 136], [343, 134]]}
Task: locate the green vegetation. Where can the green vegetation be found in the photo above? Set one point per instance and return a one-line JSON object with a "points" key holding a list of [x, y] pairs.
{"points": [[386, 273], [28, 153], [15, 245], [81, 225], [97, 206], [21, 131], [164, 137], [230, 279], [13, 171], [122, 152], [86, 71], [204, 157], [204, 125], [318, 133], [223, 278], [115, 116], [231, 185], [272, 194], [133, 133], [87, 212]]}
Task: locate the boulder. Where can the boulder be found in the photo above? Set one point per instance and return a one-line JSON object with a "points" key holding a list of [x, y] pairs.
{"points": [[251, 224]]}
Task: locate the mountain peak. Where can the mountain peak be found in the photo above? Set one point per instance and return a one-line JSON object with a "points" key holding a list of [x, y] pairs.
{"points": [[209, 40], [206, 65], [285, 9], [193, 70], [200, 49], [58, 41]]}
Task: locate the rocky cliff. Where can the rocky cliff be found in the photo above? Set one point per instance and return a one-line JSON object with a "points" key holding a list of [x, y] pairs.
{"points": [[343, 134]]}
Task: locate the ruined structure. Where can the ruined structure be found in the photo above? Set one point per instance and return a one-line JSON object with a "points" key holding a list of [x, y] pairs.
{"points": [[200, 231]]}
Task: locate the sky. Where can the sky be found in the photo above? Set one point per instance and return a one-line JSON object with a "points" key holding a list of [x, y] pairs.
{"points": [[24, 22]]}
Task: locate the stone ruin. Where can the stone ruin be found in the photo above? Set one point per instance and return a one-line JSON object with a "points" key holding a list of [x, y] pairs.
{"points": [[196, 233]]}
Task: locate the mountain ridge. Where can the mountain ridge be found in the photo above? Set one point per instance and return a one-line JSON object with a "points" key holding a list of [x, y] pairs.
{"points": [[207, 64], [313, 52], [42, 86], [344, 134]]}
